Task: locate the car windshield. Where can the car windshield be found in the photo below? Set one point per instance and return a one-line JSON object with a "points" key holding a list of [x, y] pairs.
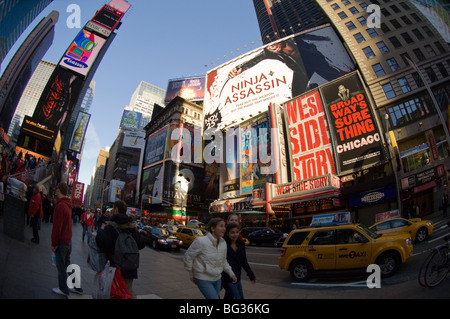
{"points": [[198, 232], [369, 232]]}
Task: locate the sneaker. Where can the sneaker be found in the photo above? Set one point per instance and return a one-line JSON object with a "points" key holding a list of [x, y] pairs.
{"points": [[59, 292], [76, 290]]}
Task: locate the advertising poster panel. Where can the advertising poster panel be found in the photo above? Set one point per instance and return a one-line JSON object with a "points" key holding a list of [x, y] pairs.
{"points": [[191, 89], [356, 135], [254, 136], [81, 124], [173, 191], [130, 120], [184, 144], [156, 144], [309, 138], [133, 139], [77, 193], [273, 73], [58, 98], [82, 52], [130, 182], [108, 16], [152, 183]]}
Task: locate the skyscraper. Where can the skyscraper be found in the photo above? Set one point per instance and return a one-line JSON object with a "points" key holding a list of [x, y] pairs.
{"points": [[15, 16], [144, 98], [278, 19]]}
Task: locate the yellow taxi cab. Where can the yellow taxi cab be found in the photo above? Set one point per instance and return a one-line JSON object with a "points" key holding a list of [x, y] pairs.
{"points": [[339, 247], [188, 234], [418, 229]]}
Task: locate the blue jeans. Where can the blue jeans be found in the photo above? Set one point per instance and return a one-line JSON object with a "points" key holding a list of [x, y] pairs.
{"points": [[209, 289], [87, 229], [233, 291], [62, 261]]}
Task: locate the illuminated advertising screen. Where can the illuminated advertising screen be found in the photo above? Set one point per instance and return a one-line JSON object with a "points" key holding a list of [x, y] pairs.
{"points": [[82, 52], [184, 143], [191, 89], [274, 73], [309, 138], [355, 133], [131, 120], [108, 17], [156, 144], [254, 135], [152, 183], [173, 190], [133, 139], [58, 98], [79, 131]]}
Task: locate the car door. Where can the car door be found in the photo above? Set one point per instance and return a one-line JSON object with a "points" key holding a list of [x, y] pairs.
{"points": [[352, 248], [399, 226], [321, 250]]}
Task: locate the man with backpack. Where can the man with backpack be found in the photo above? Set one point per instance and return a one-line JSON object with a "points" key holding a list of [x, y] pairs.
{"points": [[120, 240]]}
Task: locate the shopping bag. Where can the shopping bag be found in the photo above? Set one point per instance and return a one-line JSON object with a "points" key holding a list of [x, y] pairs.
{"points": [[119, 289], [96, 259], [102, 283]]}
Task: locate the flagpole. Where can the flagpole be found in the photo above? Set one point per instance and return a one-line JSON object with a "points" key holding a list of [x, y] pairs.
{"points": [[433, 98]]}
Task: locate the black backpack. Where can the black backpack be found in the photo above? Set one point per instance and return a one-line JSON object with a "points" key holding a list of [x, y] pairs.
{"points": [[126, 251]]}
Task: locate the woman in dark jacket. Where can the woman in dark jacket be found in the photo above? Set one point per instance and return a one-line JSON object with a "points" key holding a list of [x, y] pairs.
{"points": [[237, 259], [108, 234]]}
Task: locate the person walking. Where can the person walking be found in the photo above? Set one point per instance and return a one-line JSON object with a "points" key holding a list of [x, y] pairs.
{"points": [[237, 259], [62, 238], [35, 212], [206, 259], [107, 236], [87, 221]]}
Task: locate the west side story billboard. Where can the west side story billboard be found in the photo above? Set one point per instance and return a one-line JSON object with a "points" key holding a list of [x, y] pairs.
{"points": [[273, 73]]}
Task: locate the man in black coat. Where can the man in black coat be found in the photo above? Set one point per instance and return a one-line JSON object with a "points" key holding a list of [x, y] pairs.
{"points": [[108, 234]]}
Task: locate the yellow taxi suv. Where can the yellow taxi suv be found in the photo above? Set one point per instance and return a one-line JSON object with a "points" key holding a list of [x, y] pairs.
{"points": [[342, 247], [418, 229], [188, 234]]}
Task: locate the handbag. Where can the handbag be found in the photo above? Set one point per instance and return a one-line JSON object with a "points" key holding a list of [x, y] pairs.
{"points": [[103, 281], [119, 289]]}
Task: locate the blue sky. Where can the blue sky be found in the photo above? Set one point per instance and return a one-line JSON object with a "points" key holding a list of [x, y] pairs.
{"points": [[158, 41]]}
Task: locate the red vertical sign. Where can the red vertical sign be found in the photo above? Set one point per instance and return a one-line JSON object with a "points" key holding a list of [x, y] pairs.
{"points": [[77, 192]]}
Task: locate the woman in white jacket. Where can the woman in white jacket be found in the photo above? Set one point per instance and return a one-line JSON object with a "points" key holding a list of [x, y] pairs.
{"points": [[206, 259]]}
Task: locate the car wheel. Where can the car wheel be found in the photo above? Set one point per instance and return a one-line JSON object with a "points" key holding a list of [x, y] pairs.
{"points": [[301, 270], [388, 263], [154, 244], [421, 235]]}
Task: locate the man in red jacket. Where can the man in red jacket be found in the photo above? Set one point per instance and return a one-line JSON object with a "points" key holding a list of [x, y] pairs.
{"points": [[35, 212], [62, 238]]}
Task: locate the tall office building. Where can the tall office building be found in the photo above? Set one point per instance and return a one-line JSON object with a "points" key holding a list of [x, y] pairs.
{"points": [[15, 17], [30, 96], [280, 18], [144, 98], [98, 178]]}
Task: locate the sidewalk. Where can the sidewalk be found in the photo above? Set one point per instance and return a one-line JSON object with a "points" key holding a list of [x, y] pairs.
{"points": [[26, 272]]}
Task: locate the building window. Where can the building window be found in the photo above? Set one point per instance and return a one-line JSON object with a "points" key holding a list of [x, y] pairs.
{"points": [[395, 42], [342, 15], [388, 91], [404, 85], [335, 6], [418, 35], [393, 64], [416, 17], [346, 2], [405, 56], [362, 20], [428, 31], [382, 47], [350, 25], [407, 38], [353, 10], [368, 52], [406, 20], [442, 69], [404, 6], [430, 50], [378, 69], [372, 32], [385, 28], [395, 24], [439, 47], [431, 75], [385, 12], [359, 37], [417, 79], [395, 9], [363, 5], [419, 54]]}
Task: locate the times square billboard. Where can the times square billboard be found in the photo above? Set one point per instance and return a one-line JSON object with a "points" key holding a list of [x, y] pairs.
{"points": [[274, 73]]}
